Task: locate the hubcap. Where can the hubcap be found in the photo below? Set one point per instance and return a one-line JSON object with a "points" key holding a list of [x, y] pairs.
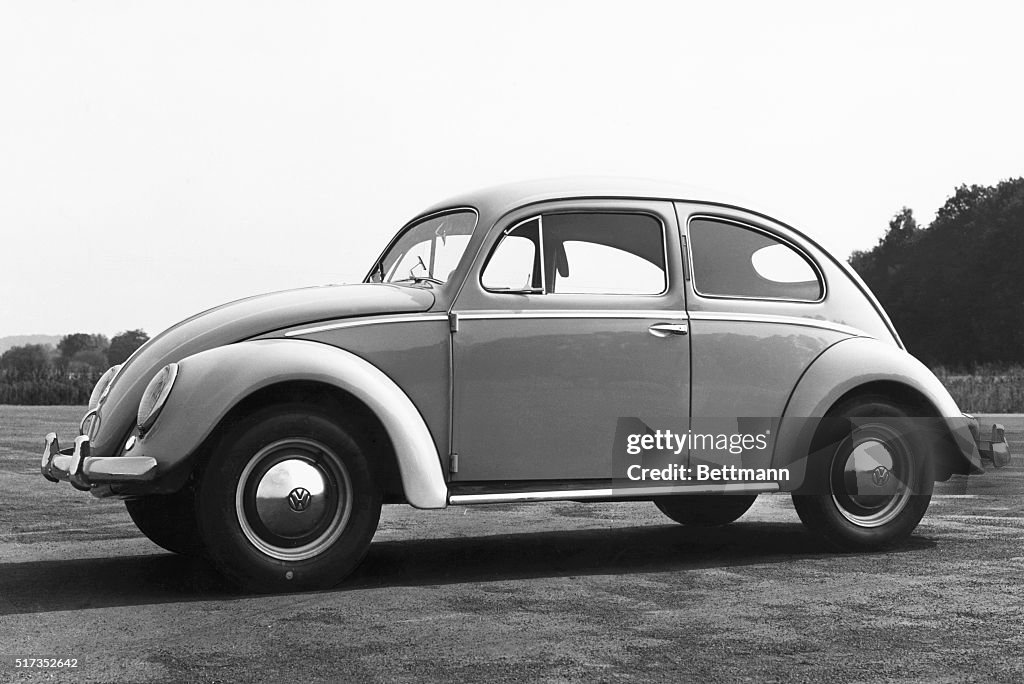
{"points": [[871, 475], [293, 499]]}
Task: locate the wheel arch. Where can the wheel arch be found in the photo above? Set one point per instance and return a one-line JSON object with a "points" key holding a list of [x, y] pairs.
{"points": [[216, 387], [866, 367], [340, 405]]}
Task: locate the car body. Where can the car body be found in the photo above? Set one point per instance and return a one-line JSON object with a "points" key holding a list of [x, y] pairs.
{"points": [[535, 341]]}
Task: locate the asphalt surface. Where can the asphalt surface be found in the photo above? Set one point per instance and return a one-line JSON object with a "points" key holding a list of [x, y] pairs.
{"points": [[547, 592]]}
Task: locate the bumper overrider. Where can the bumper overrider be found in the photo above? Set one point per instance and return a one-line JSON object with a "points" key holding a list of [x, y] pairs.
{"points": [[994, 449], [83, 471]]}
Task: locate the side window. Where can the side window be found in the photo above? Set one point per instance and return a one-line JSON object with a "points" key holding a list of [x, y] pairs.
{"points": [[605, 254], [580, 253], [730, 260]]}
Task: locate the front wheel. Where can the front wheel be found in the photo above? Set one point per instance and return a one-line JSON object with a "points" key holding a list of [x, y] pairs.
{"points": [[288, 501], [873, 484]]}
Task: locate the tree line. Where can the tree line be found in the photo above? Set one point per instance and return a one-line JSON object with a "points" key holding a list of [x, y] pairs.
{"points": [[955, 289], [37, 374]]}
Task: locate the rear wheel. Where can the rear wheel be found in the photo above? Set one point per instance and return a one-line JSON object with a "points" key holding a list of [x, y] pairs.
{"points": [[705, 510], [873, 484], [168, 520], [288, 501]]}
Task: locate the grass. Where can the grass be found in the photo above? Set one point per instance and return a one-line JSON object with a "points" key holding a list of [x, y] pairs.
{"points": [[22, 429]]}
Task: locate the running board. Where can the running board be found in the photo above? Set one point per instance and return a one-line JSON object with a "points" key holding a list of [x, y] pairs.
{"points": [[608, 493]]}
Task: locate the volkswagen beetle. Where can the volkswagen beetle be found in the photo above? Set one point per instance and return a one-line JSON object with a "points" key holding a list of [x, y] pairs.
{"points": [[556, 340]]}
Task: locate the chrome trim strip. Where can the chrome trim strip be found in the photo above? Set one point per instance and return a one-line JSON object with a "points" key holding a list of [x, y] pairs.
{"points": [[409, 318], [574, 313], [608, 493], [771, 318], [773, 235]]}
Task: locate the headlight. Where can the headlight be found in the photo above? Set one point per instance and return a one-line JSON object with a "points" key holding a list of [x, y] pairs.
{"points": [[99, 392], [153, 399]]}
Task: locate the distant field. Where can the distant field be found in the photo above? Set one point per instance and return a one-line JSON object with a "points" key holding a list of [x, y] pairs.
{"points": [[22, 428], [989, 390]]}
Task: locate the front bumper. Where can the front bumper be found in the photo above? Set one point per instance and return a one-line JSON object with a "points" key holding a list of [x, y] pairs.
{"points": [[83, 471]]}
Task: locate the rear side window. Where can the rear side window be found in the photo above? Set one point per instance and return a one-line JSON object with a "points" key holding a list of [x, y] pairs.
{"points": [[731, 260]]}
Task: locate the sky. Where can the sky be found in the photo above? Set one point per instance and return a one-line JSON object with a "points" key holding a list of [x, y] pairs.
{"points": [[157, 159]]}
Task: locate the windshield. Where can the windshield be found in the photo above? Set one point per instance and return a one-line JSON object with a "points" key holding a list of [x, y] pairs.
{"points": [[427, 251]]}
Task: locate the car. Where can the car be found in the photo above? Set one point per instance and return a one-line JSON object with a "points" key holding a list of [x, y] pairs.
{"points": [[580, 340]]}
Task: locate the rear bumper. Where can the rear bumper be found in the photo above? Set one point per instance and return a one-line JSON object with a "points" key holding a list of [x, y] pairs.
{"points": [[993, 449], [84, 472]]}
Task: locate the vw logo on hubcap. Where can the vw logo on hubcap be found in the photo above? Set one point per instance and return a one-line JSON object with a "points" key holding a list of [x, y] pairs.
{"points": [[880, 476], [299, 499]]}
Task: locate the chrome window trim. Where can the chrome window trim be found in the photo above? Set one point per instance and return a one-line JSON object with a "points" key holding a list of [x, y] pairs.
{"points": [[572, 313], [544, 289], [774, 318], [540, 249], [359, 322], [609, 493], [819, 273]]}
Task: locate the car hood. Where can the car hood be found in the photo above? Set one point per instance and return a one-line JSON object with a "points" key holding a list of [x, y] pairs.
{"points": [[237, 321]]}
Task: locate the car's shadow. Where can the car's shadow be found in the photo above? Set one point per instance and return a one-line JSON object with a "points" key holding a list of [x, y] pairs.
{"points": [[43, 586]]}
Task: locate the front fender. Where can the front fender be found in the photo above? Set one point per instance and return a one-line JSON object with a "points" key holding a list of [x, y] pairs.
{"points": [[842, 368], [211, 382]]}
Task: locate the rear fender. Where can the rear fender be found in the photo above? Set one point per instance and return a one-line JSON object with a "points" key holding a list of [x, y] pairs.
{"points": [[860, 363]]}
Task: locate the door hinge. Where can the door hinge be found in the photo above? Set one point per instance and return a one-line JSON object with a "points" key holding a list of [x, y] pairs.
{"points": [[453, 322], [454, 460]]}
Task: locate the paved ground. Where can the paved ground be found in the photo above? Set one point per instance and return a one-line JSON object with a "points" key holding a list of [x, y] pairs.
{"points": [[555, 592]]}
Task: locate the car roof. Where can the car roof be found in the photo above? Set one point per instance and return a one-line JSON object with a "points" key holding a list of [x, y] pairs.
{"points": [[497, 200]]}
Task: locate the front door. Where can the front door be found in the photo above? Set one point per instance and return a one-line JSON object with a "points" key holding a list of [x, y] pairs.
{"points": [[574, 335]]}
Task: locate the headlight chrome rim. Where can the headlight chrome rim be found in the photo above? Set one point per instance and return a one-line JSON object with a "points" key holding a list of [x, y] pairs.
{"points": [[110, 383], [155, 396], [102, 387], [90, 423]]}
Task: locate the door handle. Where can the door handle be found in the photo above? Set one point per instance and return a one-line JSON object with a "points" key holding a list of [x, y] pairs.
{"points": [[666, 329]]}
